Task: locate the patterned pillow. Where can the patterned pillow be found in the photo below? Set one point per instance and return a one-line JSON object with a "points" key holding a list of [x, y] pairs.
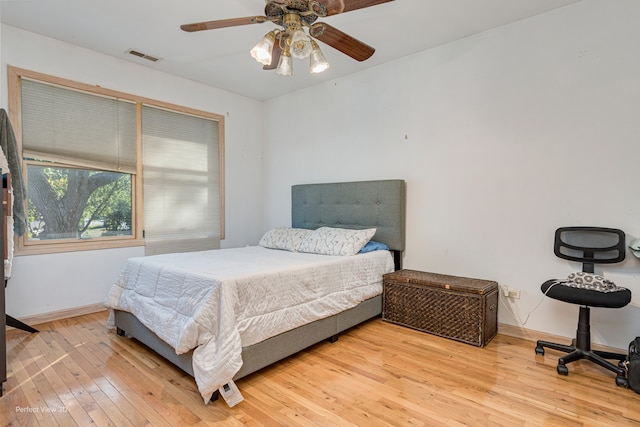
{"points": [[285, 238], [336, 241], [592, 282]]}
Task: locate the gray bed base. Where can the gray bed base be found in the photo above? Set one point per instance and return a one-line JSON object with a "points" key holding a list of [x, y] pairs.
{"points": [[363, 204], [264, 353]]}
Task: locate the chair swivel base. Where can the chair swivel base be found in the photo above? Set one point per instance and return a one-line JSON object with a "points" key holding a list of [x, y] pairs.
{"points": [[574, 353], [580, 348]]}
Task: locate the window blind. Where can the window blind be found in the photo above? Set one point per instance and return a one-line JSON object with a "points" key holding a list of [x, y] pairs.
{"points": [[181, 182], [77, 128]]}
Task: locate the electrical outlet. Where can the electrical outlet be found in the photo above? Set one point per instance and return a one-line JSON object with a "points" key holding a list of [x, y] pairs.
{"points": [[514, 293]]}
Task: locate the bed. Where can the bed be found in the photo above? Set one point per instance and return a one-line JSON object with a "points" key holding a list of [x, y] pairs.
{"points": [[351, 205]]}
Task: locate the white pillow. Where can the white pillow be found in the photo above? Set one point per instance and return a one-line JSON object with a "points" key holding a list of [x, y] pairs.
{"points": [[285, 238], [336, 241]]}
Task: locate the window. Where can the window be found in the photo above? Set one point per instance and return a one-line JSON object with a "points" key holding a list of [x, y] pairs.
{"points": [[72, 203], [181, 202], [64, 132], [105, 169]]}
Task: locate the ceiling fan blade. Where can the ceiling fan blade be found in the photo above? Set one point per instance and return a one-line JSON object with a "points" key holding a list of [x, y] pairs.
{"points": [[340, 6], [341, 41], [275, 57], [223, 23]]}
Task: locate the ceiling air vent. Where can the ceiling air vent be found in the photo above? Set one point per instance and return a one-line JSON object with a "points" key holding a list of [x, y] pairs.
{"points": [[143, 55]]}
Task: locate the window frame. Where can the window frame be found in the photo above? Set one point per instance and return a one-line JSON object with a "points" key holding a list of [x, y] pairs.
{"points": [[22, 246]]}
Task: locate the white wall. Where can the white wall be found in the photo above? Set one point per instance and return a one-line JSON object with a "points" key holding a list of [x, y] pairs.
{"points": [[502, 138], [49, 283]]}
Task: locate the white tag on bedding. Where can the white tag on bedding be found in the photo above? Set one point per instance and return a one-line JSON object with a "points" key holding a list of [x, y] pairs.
{"points": [[231, 394]]}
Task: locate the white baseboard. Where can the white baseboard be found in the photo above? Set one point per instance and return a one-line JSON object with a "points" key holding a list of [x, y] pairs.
{"points": [[503, 328], [62, 314], [531, 335]]}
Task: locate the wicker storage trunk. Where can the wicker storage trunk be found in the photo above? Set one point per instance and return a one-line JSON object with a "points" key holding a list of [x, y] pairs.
{"points": [[459, 308]]}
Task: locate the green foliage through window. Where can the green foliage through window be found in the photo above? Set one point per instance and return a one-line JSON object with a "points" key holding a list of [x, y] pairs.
{"points": [[69, 203]]}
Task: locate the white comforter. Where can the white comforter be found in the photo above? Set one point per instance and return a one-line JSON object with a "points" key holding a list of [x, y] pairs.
{"points": [[218, 301]]}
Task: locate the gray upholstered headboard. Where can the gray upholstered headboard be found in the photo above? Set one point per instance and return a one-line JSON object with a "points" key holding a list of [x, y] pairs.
{"points": [[363, 204]]}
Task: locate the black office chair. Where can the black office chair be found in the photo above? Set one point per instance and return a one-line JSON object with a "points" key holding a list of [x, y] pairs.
{"points": [[589, 246]]}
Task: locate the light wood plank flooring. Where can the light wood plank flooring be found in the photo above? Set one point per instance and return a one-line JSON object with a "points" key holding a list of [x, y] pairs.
{"points": [[77, 372]]}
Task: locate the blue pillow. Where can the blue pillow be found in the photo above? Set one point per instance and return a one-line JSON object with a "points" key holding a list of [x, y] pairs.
{"points": [[374, 246]]}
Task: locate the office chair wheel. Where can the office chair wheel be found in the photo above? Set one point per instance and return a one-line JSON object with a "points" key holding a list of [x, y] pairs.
{"points": [[563, 370], [540, 350], [621, 381]]}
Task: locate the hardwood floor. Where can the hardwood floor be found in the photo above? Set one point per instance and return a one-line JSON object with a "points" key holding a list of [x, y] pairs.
{"points": [[77, 372]]}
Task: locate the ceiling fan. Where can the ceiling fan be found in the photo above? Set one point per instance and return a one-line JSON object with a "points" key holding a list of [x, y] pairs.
{"points": [[277, 47]]}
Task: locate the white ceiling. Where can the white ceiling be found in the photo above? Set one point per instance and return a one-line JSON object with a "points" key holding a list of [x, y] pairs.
{"points": [[221, 57]]}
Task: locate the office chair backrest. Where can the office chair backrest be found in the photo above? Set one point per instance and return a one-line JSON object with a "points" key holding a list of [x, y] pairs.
{"points": [[590, 245]]}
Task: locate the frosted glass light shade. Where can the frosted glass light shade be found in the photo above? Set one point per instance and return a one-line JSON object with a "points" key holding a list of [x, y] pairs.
{"points": [[318, 63], [300, 44], [263, 50], [285, 65]]}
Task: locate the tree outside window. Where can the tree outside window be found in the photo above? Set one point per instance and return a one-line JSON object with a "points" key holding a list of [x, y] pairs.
{"points": [[71, 203]]}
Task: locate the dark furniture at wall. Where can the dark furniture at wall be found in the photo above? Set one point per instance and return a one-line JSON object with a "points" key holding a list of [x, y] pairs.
{"points": [[3, 328], [459, 308], [7, 202], [5, 319], [588, 246]]}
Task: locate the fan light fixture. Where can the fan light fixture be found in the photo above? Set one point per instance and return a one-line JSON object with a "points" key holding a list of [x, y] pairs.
{"points": [[291, 42], [262, 51], [318, 62], [300, 44], [285, 65]]}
